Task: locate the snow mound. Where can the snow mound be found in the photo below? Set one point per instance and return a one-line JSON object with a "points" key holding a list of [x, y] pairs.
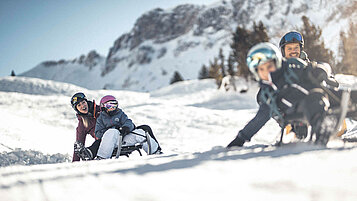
{"points": [[188, 87], [37, 86], [204, 93], [30, 157]]}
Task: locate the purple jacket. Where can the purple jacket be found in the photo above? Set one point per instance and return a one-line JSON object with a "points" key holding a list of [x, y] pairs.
{"points": [[86, 125]]}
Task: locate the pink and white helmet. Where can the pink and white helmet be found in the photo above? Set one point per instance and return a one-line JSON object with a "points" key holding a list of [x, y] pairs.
{"points": [[108, 103]]}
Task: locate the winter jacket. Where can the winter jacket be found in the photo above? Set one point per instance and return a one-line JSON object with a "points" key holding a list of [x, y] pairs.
{"points": [[106, 121], [86, 125], [289, 86]]}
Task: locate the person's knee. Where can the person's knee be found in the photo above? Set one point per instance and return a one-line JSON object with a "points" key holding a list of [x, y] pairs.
{"points": [[316, 103], [111, 133]]}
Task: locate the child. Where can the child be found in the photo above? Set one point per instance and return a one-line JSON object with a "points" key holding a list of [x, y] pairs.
{"points": [[112, 119]]}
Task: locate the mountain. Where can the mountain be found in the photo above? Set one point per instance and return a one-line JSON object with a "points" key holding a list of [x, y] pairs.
{"points": [[187, 36]]}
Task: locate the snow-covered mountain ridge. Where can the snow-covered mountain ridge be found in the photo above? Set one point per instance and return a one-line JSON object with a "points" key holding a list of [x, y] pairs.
{"points": [[187, 36]]}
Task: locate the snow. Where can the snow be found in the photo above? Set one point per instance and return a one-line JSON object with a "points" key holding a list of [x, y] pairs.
{"points": [[193, 122]]}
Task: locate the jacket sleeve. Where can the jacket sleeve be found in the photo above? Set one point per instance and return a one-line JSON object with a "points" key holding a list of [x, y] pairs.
{"points": [[80, 137], [125, 121], [100, 127], [254, 125]]}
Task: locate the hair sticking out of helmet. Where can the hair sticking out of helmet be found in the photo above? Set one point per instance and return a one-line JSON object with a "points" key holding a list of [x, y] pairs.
{"points": [[260, 54], [291, 37]]}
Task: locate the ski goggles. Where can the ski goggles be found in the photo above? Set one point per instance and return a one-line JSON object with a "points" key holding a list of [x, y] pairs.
{"points": [[293, 37], [110, 105], [259, 57]]}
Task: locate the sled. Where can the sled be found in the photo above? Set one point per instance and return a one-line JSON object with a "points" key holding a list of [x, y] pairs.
{"points": [[350, 135], [124, 150], [332, 123]]}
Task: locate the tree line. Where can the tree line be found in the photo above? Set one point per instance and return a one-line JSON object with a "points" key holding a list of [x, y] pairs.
{"points": [[243, 39]]}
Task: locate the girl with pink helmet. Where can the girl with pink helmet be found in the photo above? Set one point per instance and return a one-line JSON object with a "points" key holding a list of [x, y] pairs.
{"points": [[112, 123]]}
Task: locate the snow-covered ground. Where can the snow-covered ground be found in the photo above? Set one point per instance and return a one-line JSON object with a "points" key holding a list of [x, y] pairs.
{"points": [[193, 121]]}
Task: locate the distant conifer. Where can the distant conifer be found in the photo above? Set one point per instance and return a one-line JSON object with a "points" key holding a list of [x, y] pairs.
{"points": [[348, 51], [176, 78]]}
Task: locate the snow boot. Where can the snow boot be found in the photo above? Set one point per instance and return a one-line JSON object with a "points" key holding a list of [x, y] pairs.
{"points": [[300, 130], [237, 142]]}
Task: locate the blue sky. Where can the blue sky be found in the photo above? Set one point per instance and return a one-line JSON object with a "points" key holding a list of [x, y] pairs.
{"points": [[33, 31]]}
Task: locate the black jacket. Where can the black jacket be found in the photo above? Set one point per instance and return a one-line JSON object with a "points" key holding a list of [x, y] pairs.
{"points": [[281, 96]]}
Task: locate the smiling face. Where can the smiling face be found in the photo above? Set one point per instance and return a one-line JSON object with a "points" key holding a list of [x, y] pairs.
{"points": [[292, 50], [264, 70], [82, 107]]}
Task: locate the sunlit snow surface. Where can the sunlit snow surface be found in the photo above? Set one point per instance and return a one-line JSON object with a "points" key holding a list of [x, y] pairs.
{"points": [[193, 122]]}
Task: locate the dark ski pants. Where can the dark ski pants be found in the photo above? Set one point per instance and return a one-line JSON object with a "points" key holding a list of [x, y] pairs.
{"points": [[94, 147]]}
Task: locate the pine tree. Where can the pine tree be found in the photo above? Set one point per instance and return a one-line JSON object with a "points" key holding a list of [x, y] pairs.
{"points": [[203, 74], [314, 46], [230, 65], [240, 48], [243, 40], [176, 78], [214, 71], [231, 73], [222, 62], [348, 51], [259, 33], [13, 73]]}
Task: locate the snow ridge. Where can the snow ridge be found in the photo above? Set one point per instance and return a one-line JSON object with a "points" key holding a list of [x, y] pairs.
{"points": [[187, 36]]}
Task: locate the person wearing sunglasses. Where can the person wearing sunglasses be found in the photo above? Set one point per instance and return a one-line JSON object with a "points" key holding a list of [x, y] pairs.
{"points": [[112, 123], [87, 112], [293, 90]]}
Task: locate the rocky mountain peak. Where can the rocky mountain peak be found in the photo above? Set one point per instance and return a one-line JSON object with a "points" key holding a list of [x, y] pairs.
{"points": [[90, 60]]}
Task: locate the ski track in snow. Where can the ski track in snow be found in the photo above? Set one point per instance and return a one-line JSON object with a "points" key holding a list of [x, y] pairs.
{"points": [[193, 123]]}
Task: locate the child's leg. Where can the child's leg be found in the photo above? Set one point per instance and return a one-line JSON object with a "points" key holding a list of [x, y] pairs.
{"points": [[109, 142], [132, 139]]}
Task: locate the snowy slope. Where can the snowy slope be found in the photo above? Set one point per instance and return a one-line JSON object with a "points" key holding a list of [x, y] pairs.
{"points": [[187, 36], [192, 128]]}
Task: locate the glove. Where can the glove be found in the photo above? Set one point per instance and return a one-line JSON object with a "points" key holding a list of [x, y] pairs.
{"points": [[125, 130], [82, 152], [319, 74], [78, 147], [237, 142]]}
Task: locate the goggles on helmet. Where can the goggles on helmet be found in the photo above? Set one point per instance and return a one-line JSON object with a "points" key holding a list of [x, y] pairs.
{"points": [[259, 57], [293, 37], [110, 105]]}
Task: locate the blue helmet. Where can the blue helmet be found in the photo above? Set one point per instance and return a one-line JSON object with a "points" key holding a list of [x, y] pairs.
{"points": [[291, 37], [262, 53]]}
